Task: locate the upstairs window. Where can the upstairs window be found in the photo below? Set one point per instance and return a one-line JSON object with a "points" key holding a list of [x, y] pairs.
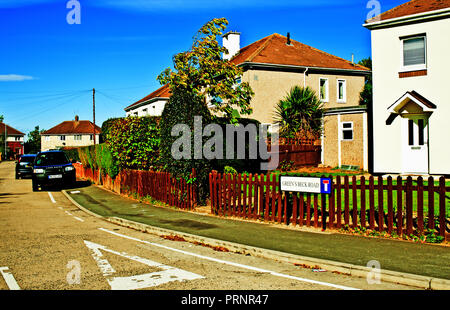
{"points": [[414, 53], [323, 90], [62, 138], [341, 91], [78, 137]]}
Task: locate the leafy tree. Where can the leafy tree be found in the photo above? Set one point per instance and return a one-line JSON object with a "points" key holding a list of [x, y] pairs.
{"points": [[203, 72], [299, 114], [33, 145], [2, 141], [366, 95]]}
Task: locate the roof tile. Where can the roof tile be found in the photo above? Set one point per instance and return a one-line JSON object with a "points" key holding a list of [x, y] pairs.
{"points": [[73, 127]]}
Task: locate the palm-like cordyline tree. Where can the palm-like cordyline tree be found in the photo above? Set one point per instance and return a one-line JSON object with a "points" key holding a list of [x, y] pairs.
{"points": [[299, 114]]}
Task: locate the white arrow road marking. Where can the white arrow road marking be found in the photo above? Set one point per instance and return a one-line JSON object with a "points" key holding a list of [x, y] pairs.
{"points": [[232, 263], [9, 279], [51, 197], [167, 273]]}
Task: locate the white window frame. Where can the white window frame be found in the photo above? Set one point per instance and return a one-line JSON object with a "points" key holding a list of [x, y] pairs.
{"points": [[327, 98], [47, 138], [404, 68], [347, 129], [344, 100], [77, 137], [62, 138]]}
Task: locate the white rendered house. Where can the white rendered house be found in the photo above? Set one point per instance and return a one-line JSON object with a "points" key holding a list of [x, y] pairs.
{"points": [[411, 106]]}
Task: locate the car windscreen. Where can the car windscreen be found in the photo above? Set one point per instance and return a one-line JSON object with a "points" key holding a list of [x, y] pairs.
{"points": [[27, 159], [49, 159]]}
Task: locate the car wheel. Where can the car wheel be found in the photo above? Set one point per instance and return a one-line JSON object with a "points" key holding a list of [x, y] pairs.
{"points": [[35, 187], [17, 176]]}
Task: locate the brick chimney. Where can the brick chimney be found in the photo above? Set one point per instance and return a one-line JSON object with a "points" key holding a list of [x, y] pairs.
{"points": [[232, 42], [77, 118]]}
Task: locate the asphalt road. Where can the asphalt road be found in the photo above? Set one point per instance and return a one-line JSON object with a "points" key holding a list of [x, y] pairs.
{"points": [[46, 243]]}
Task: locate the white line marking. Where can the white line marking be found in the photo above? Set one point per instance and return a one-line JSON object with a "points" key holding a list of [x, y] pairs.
{"points": [[51, 197], [75, 217], [233, 264], [78, 219], [165, 275], [9, 279]]}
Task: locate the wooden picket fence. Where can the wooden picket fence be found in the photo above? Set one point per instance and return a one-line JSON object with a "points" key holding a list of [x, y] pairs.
{"points": [[158, 185], [380, 206]]}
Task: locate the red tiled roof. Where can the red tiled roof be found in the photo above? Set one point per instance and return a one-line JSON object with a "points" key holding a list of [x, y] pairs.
{"points": [[162, 92], [10, 131], [73, 127], [413, 7], [274, 50]]}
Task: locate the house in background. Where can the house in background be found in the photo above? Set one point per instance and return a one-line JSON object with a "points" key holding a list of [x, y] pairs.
{"points": [[275, 64], [411, 106], [152, 105], [14, 141], [70, 134]]}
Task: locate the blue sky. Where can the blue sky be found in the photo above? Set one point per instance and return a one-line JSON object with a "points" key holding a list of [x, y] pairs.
{"points": [[48, 67]]}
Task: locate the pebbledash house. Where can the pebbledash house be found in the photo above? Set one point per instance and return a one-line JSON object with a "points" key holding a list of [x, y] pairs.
{"points": [[275, 64], [411, 106]]}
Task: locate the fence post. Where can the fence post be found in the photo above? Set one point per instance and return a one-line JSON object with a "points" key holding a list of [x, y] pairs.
{"points": [[338, 202], [363, 202], [431, 203], [399, 206], [355, 203], [409, 206], [380, 204], [346, 201], [442, 214], [390, 222], [420, 205]]}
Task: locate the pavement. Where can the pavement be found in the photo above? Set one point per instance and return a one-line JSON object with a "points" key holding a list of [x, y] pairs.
{"points": [[417, 264]]}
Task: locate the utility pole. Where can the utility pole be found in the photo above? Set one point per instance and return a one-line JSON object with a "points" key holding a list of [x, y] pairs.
{"points": [[93, 103]]}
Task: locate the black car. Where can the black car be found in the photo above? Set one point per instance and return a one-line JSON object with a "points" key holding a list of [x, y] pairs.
{"points": [[53, 168], [24, 166]]}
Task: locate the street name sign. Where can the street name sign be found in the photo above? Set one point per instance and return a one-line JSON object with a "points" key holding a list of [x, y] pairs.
{"points": [[305, 184]]}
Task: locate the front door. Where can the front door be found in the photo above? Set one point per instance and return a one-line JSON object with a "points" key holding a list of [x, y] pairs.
{"points": [[415, 144]]}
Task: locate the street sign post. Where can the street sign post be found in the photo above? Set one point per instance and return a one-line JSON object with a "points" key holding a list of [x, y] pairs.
{"points": [[305, 184]]}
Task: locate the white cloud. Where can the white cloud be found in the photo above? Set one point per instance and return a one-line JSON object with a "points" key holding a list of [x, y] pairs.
{"points": [[15, 78]]}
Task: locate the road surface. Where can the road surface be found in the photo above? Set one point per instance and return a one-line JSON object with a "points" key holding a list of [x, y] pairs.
{"points": [[49, 244]]}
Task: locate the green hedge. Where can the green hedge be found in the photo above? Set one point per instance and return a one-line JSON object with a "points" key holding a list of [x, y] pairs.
{"points": [[99, 157], [134, 142]]}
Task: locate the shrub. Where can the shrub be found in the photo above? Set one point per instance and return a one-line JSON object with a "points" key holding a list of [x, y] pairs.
{"points": [[72, 154], [182, 107]]}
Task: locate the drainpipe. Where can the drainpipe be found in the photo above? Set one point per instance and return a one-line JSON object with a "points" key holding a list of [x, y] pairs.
{"points": [[304, 77]]}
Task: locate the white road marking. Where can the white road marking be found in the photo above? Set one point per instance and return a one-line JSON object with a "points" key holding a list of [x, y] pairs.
{"points": [[167, 273], [75, 192], [75, 217], [9, 279], [51, 197], [232, 263]]}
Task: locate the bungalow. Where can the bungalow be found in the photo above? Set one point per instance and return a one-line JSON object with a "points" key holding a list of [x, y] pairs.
{"points": [[14, 141], [70, 134], [410, 46]]}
